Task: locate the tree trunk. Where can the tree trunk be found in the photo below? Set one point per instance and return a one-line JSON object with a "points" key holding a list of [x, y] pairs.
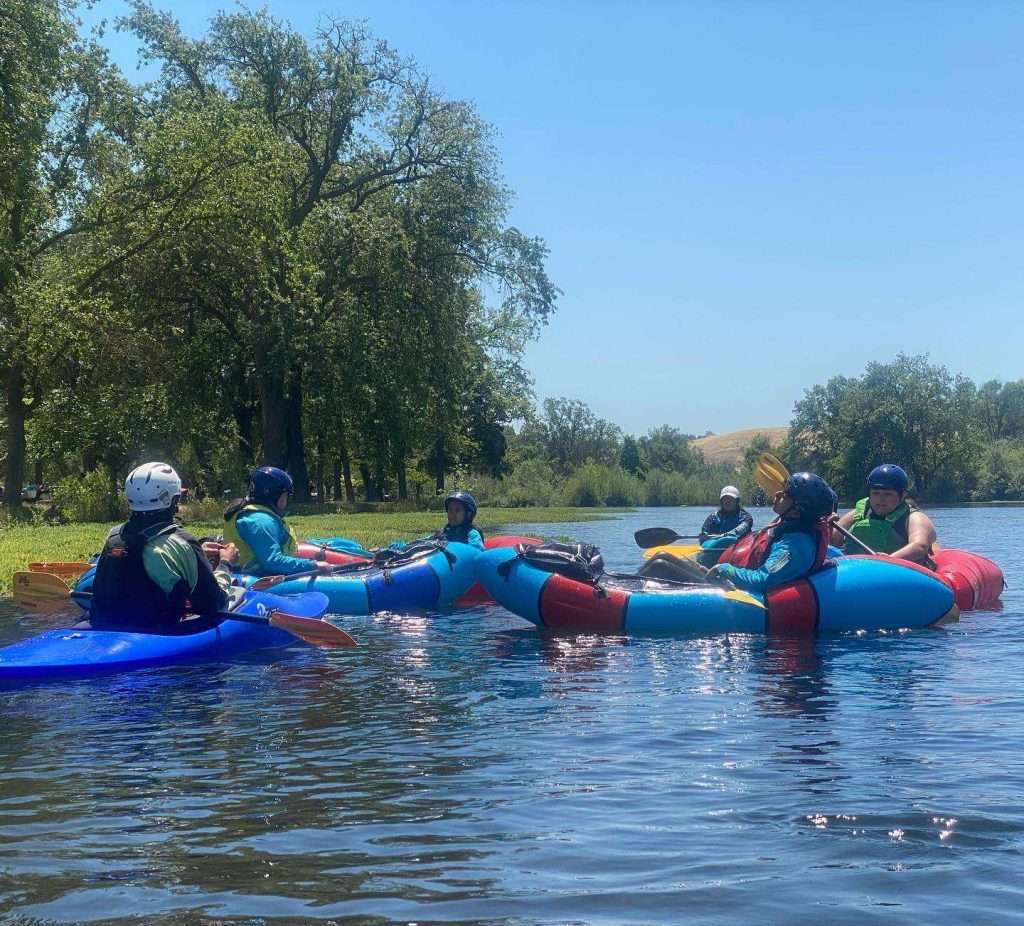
{"points": [[346, 468], [369, 486], [403, 488], [274, 415], [321, 496], [14, 393], [38, 475], [336, 481], [297, 468]]}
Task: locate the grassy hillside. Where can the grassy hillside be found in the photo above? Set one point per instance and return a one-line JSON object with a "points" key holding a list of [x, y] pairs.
{"points": [[728, 448]]}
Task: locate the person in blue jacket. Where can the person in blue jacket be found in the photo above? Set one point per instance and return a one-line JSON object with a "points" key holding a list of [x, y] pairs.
{"points": [[724, 527], [256, 526], [461, 510], [794, 545]]}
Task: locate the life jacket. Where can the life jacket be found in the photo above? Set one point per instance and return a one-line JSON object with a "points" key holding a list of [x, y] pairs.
{"points": [[124, 597], [882, 534], [246, 554], [751, 551], [458, 533]]}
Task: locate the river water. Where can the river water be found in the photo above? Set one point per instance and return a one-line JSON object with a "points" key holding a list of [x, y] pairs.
{"points": [[464, 769]]}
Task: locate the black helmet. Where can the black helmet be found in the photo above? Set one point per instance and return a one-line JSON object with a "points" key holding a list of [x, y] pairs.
{"points": [[888, 476], [468, 502], [268, 482], [811, 494]]}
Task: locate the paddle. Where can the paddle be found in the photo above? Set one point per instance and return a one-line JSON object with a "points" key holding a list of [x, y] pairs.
{"points": [[64, 570], [311, 629], [266, 582], [771, 475], [39, 591], [659, 537]]}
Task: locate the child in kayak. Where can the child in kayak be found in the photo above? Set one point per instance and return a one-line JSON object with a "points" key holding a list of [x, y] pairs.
{"points": [[151, 572], [256, 526]]}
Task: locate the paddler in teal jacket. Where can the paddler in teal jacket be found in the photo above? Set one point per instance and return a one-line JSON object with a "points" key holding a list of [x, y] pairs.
{"points": [[886, 521], [790, 548], [256, 525], [461, 509]]}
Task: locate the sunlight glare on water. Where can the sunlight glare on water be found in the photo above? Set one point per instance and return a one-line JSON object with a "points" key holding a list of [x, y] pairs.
{"points": [[463, 768]]}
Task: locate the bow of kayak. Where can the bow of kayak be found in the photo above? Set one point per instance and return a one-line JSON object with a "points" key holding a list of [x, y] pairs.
{"points": [[73, 652]]}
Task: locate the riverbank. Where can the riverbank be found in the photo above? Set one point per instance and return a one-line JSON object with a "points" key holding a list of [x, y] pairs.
{"points": [[23, 544]]}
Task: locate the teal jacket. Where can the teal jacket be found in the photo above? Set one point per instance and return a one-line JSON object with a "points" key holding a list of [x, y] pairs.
{"points": [[789, 558], [266, 536]]}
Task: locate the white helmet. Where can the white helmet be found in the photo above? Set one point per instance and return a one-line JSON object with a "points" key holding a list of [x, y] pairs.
{"points": [[152, 486], [731, 492]]}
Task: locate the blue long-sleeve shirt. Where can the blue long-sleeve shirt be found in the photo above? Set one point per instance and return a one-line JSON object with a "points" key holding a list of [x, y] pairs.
{"points": [[790, 557], [266, 536]]}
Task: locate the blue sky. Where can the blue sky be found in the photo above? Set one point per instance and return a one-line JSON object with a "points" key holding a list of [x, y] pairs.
{"points": [[741, 199]]}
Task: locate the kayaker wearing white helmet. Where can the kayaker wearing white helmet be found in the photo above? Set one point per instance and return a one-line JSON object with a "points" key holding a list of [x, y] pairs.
{"points": [[151, 572], [725, 526]]}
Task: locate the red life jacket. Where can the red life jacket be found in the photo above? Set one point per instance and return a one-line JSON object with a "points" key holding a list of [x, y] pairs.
{"points": [[751, 551]]}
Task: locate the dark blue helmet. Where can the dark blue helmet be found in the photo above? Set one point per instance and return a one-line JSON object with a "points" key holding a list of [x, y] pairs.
{"points": [[888, 476], [468, 502], [811, 494], [268, 482]]}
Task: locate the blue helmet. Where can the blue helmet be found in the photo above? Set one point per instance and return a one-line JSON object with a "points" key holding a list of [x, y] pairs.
{"points": [[811, 494], [468, 502], [269, 482], [888, 476]]}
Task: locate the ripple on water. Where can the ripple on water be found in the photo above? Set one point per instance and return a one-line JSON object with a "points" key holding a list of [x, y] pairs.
{"points": [[464, 769]]}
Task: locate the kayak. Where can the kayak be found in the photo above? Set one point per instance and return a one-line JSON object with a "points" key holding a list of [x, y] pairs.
{"points": [[976, 582], [332, 551], [426, 577], [851, 593], [76, 652]]}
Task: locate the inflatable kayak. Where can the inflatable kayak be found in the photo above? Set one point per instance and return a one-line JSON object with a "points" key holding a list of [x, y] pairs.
{"points": [[851, 593], [976, 582], [333, 553], [423, 577], [75, 652]]}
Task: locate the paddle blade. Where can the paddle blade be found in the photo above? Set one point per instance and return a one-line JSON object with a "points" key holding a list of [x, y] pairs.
{"points": [[655, 537], [64, 570], [312, 630], [39, 591], [266, 582], [770, 473]]}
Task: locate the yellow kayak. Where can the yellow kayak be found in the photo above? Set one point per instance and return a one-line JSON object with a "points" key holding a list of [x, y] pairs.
{"points": [[674, 549]]}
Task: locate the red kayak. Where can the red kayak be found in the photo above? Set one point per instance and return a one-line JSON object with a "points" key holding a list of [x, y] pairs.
{"points": [[976, 582]]}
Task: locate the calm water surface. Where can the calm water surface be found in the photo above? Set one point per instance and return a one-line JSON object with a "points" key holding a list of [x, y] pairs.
{"points": [[464, 769]]}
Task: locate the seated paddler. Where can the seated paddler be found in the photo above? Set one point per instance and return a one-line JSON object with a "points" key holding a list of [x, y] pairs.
{"points": [[151, 573], [461, 510], [792, 546], [724, 527], [886, 521], [256, 526]]}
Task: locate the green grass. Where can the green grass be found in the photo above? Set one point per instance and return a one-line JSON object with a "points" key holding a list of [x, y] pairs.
{"points": [[22, 544]]}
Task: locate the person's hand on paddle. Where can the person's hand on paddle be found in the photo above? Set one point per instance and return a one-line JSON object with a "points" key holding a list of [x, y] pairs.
{"points": [[218, 553], [324, 567], [229, 554], [716, 574]]}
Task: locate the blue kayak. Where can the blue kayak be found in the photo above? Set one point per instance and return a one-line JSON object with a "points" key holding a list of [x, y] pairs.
{"points": [[430, 577], [74, 652]]}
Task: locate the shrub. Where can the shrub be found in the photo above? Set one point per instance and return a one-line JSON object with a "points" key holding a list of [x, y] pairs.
{"points": [[92, 497], [594, 485]]}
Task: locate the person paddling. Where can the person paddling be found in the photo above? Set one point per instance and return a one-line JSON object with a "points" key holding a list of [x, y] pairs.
{"points": [[724, 527], [887, 521], [789, 548], [151, 572], [256, 526]]}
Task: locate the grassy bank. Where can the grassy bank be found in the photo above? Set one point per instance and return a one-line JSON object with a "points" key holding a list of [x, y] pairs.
{"points": [[20, 545]]}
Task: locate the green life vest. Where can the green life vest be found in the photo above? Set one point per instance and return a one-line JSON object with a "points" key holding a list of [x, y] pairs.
{"points": [[246, 555], [883, 535]]}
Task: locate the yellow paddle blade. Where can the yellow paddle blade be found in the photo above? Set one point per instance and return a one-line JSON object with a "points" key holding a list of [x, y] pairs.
{"points": [[770, 473], [39, 591], [64, 570], [737, 595], [672, 549]]}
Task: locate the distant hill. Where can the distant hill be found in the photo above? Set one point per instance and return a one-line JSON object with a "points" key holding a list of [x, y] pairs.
{"points": [[728, 448]]}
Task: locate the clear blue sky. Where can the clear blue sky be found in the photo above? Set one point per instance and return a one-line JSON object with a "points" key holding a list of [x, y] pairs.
{"points": [[741, 199]]}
